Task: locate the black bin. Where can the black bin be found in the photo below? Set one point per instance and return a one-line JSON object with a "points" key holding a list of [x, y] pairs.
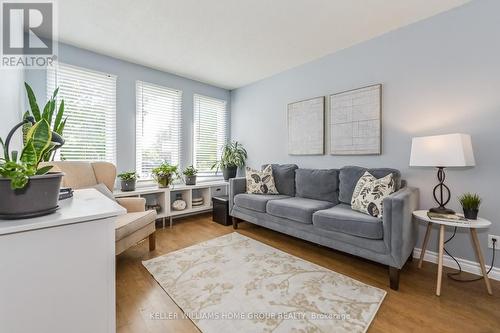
{"points": [[220, 213]]}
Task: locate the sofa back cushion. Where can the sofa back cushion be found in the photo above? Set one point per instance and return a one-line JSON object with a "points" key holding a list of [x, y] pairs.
{"points": [[317, 184], [284, 178], [350, 175]]}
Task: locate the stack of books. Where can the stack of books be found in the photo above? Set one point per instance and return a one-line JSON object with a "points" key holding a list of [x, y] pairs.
{"points": [[447, 217], [65, 193]]}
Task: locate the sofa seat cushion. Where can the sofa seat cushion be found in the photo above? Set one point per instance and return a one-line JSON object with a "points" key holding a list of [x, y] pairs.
{"points": [[342, 218], [129, 223], [296, 208], [256, 202]]}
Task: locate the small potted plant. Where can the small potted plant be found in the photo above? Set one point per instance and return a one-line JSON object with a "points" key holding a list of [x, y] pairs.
{"points": [[190, 175], [470, 204], [165, 174], [128, 180], [233, 156]]}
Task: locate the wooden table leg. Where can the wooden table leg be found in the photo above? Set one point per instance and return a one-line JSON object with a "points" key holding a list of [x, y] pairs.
{"points": [[440, 260], [479, 255], [424, 244]]}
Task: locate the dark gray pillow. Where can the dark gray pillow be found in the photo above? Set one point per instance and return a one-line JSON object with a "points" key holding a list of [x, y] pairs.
{"points": [[317, 184], [349, 176], [284, 178]]}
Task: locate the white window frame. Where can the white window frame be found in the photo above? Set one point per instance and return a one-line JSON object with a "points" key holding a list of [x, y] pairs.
{"points": [[157, 91], [221, 130], [77, 126]]}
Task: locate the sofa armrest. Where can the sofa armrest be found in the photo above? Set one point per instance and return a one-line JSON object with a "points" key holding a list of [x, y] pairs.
{"points": [[400, 232], [132, 205], [236, 186]]}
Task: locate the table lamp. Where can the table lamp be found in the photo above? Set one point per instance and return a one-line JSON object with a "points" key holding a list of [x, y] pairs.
{"points": [[442, 151]]}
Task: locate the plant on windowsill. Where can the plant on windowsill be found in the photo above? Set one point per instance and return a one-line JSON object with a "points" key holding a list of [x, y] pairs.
{"points": [[128, 180], [165, 174], [190, 175], [28, 189], [470, 204], [233, 156]]}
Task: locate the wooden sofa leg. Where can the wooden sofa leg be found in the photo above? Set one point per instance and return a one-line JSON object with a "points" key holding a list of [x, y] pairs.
{"points": [[410, 258], [152, 241], [394, 277], [235, 223]]}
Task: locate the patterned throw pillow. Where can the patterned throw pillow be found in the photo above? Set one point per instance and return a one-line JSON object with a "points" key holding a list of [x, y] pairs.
{"points": [[261, 182], [370, 192]]}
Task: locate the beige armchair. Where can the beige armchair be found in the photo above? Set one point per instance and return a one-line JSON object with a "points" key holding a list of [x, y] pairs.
{"points": [[131, 228]]}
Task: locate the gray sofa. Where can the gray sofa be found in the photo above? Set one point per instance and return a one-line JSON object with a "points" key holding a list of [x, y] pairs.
{"points": [[314, 205]]}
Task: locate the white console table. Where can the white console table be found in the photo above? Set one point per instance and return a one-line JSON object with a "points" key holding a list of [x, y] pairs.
{"points": [[57, 272], [164, 197]]}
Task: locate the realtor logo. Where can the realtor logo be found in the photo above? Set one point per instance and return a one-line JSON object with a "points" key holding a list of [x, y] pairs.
{"points": [[28, 34]]}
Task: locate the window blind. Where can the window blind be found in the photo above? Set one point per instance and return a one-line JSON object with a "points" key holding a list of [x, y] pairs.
{"points": [[210, 132], [90, 107], [158, 127]]}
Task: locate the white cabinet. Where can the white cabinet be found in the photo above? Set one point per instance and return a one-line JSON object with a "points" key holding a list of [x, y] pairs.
{"points": [[57, 272], [164, 197]]}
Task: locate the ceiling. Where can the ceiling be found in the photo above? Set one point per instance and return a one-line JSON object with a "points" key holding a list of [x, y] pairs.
{"points": [[231, 43]]}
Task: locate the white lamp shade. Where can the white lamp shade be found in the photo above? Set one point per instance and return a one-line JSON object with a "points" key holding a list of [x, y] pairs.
{"points": [[449, 150]]}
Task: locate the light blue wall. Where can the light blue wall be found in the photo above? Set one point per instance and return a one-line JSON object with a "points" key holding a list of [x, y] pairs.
{"points": [[11, 104], [441, 75], [127, 74]]}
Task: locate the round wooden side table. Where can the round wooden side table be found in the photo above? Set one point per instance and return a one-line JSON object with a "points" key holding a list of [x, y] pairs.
{"points": [[472, 225]]}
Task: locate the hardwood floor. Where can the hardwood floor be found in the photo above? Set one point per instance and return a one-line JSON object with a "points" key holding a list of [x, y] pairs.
{"points": [[462, 307]]}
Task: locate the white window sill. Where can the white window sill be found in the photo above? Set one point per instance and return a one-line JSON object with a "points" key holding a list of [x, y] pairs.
{"points": [[144, 183]]}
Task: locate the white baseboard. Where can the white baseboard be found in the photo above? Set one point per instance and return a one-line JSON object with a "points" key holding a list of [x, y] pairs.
{"points": [[467, 265]]}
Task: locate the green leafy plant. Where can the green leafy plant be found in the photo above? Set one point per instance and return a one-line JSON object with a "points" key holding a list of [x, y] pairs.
{"points": [[48, 113], [19, 168], [470, 201], [165, 173], [190, 171], [233, 155], [129, 175]]}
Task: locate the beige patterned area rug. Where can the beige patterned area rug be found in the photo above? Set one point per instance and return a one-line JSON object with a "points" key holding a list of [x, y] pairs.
{"points": [[236, 284]]}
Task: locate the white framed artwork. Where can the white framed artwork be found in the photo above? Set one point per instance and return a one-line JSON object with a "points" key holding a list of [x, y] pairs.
{"points": [[355, 121], [306, 127]]}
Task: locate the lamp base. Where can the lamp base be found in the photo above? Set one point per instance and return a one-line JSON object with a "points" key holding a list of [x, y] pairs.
{"points": [[444, 195], [441, 210]]}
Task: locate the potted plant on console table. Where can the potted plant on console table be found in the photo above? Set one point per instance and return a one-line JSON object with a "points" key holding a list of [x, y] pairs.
{"points": [[233, 156], [28, 190], [190, 175], [165, 174], [128, 180]]}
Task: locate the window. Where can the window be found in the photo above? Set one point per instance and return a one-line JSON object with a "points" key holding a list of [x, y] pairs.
{"points": [[210, 132], [90, 108], [158, 127]]}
